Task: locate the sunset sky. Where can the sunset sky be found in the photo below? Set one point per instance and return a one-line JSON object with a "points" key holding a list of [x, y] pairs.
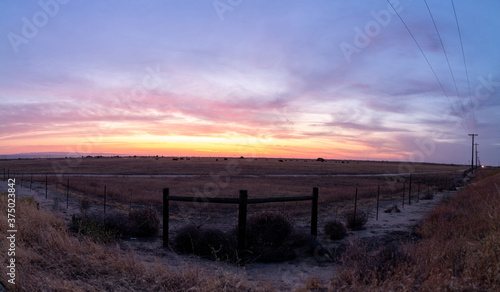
{"points": [[321, 78]]}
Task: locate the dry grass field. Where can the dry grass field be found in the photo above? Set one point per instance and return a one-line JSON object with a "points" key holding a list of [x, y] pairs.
{"points": [[205, 165], [140, 181], [52, 256], [217, 177]]}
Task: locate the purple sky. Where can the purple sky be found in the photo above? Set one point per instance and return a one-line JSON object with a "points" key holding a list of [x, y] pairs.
{"points": [[337, 79]]}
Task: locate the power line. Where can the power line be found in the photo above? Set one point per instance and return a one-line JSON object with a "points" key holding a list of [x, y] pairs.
{"points": [[465, 64], [427, 60], [447, 61]]}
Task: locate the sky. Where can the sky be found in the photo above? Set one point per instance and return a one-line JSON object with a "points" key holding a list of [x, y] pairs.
{"points": [[257, 78]]}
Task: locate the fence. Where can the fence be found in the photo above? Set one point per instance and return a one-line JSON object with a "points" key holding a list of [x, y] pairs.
{"points": [[242, 202]]}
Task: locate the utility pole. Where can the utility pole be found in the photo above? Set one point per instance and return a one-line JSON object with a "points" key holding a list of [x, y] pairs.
{"points": [[472, 159], [476, 155]]}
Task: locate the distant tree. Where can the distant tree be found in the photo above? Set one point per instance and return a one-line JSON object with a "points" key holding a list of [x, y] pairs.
{"points": [[320, 159]]}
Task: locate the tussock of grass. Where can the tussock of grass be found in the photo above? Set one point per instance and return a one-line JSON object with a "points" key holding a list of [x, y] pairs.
{"points": [[271, 237], [459, 249], [49, 258], [335, 230], [208, 243], [356, 221]]}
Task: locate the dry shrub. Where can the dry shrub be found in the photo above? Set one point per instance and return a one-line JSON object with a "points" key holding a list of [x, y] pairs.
{"points": [[208, 243], [356, 221], [114, 225], [144, 222], [84, 206], [335, 230], [428, 196], [268, 229], [217, 245], [270, 237], [48, 258], [187, 239], [101, 228]]}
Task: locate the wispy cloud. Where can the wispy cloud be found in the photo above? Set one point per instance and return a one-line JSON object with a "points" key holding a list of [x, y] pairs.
{"points": [[272, 74]]}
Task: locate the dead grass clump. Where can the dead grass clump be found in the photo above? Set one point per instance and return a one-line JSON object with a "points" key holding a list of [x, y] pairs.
{"points": [[144, 222], [335, 230], [208, 243], [112, 226], [268, 229], [428, 196], [84, 206], [217, 245], [356, 221], [270, 237], [100, 228], [187, 239]]}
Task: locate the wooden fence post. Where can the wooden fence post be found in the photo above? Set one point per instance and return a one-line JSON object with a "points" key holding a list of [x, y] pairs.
{"points": [[242, 221], [355, 204], [314, 212], [165, 216], [31, 181], [378, 199], [104, 200], [4, 174], [409, 192], [67, 194], [404, 190], [418, 192], [46, 183], [22, 177], [8, 173]]}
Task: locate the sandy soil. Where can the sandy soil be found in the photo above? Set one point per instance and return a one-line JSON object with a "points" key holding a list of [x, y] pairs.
{"points": [[284, 276]]}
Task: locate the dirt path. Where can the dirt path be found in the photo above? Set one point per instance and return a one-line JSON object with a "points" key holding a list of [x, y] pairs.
{"points": [[285, 276]]}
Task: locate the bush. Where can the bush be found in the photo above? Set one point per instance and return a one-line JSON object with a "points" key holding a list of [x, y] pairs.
{"points": [[144, 222], [102, 229], [270, 237], [356, 221], [335, 230], [209, 243], [268, 229], [217, 245], [187, 239], [84, 206], [109, 227], [429, 196]]}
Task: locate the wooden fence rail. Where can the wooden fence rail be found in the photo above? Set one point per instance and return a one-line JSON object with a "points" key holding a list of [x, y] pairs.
{"points": [[243, 202]]}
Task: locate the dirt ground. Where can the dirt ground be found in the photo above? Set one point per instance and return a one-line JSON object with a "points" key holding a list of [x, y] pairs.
{"points": [[294, 274]]}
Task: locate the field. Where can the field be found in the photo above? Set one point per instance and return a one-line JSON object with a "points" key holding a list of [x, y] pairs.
{"points": [[132, 183], [141, 180]]}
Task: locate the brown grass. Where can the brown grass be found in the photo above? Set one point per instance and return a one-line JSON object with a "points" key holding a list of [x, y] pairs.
{"points": [[48, 258], [459, 250], [205, 165], [224, 178], [148, 191]]}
